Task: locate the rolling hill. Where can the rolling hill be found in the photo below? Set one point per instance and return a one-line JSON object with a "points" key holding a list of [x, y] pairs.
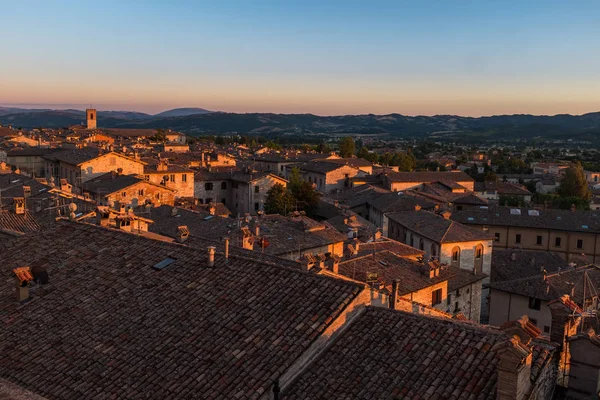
{"points": [[507, 127]]}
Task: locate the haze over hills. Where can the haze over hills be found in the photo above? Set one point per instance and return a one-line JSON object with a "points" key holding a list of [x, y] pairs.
{"points": [[196, 121]]}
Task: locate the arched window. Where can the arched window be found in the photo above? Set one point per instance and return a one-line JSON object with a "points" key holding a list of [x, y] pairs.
{"points": [[91, 116], [478, 252], [421, 244], [478, 265], [456, 256]]}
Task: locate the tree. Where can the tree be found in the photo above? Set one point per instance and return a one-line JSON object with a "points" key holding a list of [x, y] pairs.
{"points": [[279, 200], [323, 148], [303, 192], [347, 147], [574, 184]]}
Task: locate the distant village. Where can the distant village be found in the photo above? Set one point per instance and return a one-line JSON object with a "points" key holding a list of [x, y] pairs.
{"points": [[142, 263]]}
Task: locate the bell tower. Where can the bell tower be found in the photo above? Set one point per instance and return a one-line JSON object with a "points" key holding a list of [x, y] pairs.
{"points": [[91, 118]]}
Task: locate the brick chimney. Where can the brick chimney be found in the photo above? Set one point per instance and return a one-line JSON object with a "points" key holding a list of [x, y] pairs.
{"points": [[335, 264], [19, 204], [211, 256], [22, 278], [514, 370], [182, 233], [393, 295]]}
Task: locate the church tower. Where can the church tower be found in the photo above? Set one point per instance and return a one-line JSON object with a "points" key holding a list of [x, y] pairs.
{"points": [[91, 118]]}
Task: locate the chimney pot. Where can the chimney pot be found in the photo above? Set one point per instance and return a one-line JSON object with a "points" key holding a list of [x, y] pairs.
{"points": [[513, 256], [226, 240], [211, 256], [393, 295]]}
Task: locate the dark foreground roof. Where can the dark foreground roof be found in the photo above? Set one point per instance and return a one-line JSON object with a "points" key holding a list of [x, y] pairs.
{"points": [[111, 326], [389, 354]]}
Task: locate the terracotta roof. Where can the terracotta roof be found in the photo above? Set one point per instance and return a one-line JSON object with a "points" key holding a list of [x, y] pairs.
{"points": [[436, 227], [525, 264], [390, 354], [400, 201], [319, 167], [386, 267], [563, 220], [555, 285], [429, 176], [111, 325], [22, 223]]}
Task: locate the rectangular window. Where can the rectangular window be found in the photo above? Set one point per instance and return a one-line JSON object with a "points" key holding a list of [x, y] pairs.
{"points": [[184, 178], [223, 185], [449, 300], [223, 201], [436, 297], [141, 192], [538, 240], [557, 242], [256, 189], [546, 329], [208, 200], [535, 304], [580, 243], [255, 206], [146, 177], [497, 236], [172, 178], [124, 194], [518, 238], [208, 186]]}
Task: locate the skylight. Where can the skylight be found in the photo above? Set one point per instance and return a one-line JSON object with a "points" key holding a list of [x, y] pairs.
{"points": [[515, 211], [164, 263], [533, 213]]}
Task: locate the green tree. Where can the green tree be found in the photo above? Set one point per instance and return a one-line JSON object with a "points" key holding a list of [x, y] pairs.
{"points": [[574, 184], [307, 198], [347, 147], [279, 200], [323, 148]]}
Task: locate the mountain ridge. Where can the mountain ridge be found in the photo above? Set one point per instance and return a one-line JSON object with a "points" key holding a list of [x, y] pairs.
{"points": [[511, 126]]}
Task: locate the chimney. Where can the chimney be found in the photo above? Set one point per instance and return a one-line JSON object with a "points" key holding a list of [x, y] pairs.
{"points": [[211, 256], [357, 245], [393, 295], [446, 214], [335, 264], [22, 278], [19, 203], [514, 370], [212, 210], [513, 256], [256, 229], [532, 261], [377, 234], [307, 262], [417, 207], [226, 240], [182, 233]]}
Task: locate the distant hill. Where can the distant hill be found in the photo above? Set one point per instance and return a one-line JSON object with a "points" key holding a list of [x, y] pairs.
{"points": [[498, 127], [181, 112]]}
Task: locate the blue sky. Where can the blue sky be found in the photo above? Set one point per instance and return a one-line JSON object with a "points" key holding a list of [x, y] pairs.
{"points": [[324, 57]]}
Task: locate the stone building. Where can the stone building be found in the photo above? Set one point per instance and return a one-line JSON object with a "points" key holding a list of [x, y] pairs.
{"points": [[241, 191], [175, 177], [91, 118], [531, 295], [129, 190], [326, 176], [574, 235], [80, 165]]}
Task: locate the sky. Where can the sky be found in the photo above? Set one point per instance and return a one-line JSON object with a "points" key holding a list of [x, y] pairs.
{"points": [[324, 57]]}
